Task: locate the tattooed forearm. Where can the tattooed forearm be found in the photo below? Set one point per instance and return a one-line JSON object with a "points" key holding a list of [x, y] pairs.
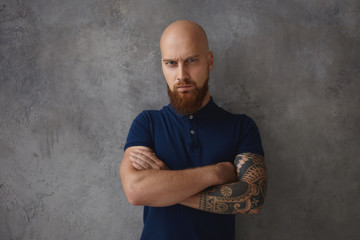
{"points": [[246, 196]]}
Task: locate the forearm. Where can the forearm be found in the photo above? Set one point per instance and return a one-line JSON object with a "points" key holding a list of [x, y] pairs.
{"points": [[245, 196], [167, 187], [147, 181], [233, 198]]}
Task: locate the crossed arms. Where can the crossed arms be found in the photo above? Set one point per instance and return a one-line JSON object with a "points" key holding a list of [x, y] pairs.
{"points": [[220, 188]]}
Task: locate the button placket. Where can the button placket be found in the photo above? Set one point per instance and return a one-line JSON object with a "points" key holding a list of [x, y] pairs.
{"points": [[193, 132]]}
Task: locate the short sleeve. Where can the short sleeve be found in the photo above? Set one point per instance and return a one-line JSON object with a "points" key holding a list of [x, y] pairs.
{"points": [[250, 140], [139, 133]]}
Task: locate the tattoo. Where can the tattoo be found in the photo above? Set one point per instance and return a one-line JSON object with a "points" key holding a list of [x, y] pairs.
{"points": [[245, 196]]}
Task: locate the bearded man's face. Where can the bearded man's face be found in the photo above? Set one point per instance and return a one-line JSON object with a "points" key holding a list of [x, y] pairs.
{"points": [[188, 101], [186, 62]]}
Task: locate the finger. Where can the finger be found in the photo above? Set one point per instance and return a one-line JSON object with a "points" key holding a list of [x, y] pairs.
{"points": [[145, 158], [152, 156], [140, 162], [141, 157], [137, 166], [155, 159], [147, 153]]}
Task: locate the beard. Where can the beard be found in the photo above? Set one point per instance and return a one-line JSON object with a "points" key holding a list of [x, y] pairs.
{"points": [[189, 102]]}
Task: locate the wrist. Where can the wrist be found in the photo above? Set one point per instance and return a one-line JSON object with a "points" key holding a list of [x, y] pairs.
{"points": [[225, 172], [214, 174]]}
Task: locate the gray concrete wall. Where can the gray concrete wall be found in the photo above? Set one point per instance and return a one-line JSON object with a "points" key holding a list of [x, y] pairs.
{"points": [[74, 74]]}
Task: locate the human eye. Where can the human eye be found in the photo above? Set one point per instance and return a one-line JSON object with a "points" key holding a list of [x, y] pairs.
{"points": [[170, 63], [191, 60]]}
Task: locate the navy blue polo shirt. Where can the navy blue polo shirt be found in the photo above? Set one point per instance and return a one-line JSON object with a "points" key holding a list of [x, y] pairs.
{"points": [[209, 136]]}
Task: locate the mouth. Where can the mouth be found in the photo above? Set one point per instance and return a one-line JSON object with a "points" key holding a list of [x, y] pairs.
{"points": [[184, 88]]}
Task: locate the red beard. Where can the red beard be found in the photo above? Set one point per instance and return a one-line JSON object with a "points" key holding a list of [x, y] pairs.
{"points": [[189, 102]]}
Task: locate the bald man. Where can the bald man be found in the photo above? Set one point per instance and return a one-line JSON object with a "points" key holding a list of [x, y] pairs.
{"points": [[192, 165]]}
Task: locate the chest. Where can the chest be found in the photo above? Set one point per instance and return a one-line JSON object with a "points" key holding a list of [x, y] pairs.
{"points": [[186, 143]]}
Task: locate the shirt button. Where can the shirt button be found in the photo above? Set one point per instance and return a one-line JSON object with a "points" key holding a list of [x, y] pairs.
{"points": [[191, 117], [192, 132]]}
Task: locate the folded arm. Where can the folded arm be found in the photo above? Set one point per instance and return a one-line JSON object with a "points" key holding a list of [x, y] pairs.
{"points": [[147, 181], [245, 196]]}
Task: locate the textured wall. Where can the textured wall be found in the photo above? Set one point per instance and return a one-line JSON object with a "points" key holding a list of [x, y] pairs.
{"points": [[74, 74]]}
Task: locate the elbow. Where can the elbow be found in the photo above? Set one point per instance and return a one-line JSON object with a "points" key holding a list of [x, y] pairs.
{"points": [[133, 200], [133, 195], [251, 206], [137, 196], [133, 189], [256, 208]]}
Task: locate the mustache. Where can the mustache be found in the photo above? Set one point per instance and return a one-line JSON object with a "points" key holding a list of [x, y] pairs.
{"points": [[185, 83]]}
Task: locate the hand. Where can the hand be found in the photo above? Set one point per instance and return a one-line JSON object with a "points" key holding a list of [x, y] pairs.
{"points": [[226, 172], [145, 159]]}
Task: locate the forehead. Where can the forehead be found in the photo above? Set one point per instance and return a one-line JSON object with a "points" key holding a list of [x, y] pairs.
{"points": [[181, 47]]}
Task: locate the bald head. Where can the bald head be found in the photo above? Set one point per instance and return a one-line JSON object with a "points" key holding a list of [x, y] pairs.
{"points": [[183, 32]]}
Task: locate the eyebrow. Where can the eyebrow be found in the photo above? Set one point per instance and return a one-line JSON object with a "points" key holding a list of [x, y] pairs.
{"points": [[170, 59]]}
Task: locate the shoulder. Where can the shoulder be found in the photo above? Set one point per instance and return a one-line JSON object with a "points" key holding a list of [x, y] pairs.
{"points": [[245, 122], [152, 115], [148, 113], [240, 121], [240, 118], [245, 119]]}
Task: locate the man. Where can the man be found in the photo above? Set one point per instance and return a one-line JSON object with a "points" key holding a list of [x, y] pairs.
{"points": [[192, 164]]}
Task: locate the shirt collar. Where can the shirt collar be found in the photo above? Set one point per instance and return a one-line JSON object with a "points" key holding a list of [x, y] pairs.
{"points": [[207, 111]]}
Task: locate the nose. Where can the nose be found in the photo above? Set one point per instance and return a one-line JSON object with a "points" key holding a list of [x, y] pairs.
{"points": [[182, 74]]}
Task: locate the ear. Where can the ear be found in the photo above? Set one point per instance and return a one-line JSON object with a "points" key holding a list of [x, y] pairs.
{"points": [[211, 60]]}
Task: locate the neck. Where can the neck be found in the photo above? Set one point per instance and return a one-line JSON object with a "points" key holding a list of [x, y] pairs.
{"points": [[206, 100]]}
